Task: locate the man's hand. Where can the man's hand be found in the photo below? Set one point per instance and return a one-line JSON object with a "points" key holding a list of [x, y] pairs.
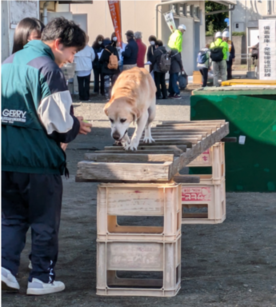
{"points": [[84, 127]]}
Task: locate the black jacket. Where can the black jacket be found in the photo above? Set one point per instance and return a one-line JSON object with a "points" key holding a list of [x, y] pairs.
{"points": [[131, 53], [231, 54], [157, 56], [176, 62], [104, 60], [96, 64], [150, 53]]}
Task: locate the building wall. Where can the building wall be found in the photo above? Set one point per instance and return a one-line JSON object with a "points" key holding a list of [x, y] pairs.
{"points": [[248, 12], [12, 12], [136, 16], [139, 15]]}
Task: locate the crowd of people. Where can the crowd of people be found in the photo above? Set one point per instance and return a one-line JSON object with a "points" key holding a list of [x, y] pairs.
{"points": [[219, 55], [129, 55]]}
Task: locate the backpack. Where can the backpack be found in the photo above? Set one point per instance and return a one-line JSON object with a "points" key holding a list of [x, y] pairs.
{"points": [[113, 61], [202, 57], [165, 62], [216, 53]]}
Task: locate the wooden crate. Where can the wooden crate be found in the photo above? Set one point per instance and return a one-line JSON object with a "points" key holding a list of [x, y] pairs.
{"points": [[138, 200], [133, 258], [204, 202], [213, 157]]}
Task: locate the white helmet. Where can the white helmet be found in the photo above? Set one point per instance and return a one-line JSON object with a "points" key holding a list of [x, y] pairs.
{"points": [[218, 34], [182, 27], [225, 34]]}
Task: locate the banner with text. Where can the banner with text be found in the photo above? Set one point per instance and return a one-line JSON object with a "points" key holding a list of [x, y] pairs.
{"points": [[267, 49], [115, 12], [170, 20]]}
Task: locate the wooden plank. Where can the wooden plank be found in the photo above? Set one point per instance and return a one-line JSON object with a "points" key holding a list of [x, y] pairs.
{"points": [[151, 146], [222, 121], [184, 129], [177, 132], [178, 136], [114, 172], [186, 179], [154, 151], [198, 148], [126, 157]]}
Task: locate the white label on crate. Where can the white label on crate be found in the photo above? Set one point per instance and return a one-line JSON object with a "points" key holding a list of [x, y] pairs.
{"points": [[131, 256], [196, 194], [242, 139]]}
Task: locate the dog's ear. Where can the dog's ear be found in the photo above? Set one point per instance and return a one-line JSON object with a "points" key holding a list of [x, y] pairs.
{"points": [[136, 114]]}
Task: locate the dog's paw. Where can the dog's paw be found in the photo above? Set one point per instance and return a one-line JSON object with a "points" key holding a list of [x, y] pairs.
{"points": [[126, 145], [148, 140], [133, 145]]}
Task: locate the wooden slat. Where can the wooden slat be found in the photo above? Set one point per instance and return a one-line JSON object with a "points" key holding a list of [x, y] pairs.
{"points": [[151, 146], [178, 136], [215, 121], [198, 148], [186, 179], [126, 158], [130, 172]]}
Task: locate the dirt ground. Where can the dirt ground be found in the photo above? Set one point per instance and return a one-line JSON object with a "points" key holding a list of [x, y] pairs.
{"points": [[230, 264]]}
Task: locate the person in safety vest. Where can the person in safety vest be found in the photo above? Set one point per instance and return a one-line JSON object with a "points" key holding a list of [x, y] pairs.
{"points": [[219, 62], [176, 38], [231, 54]]}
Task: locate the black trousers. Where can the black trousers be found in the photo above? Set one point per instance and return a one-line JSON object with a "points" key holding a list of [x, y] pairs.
{"points": [[31, 200], [159, 78], [98, 75], [84, 83], [229, 70], [204, 73]]}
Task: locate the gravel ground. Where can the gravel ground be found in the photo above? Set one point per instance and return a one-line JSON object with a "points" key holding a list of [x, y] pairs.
{"points": [[230, 264]]}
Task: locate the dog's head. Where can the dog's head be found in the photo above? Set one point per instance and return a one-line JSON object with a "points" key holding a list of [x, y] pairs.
{"points": [[121, 114]]}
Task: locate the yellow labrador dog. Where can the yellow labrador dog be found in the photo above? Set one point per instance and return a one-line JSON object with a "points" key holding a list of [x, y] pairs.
{"points": [[132, 100]]}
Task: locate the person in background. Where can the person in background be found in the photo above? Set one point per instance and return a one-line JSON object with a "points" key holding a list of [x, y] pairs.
{"points": [[97, 68], [83, 60], [176, 68], [131, 52], [32, 160], [204, 63], [220, 68], [159, 77], [151, 48], [255, 55], [28, 29], [142, 48], [231, 54], [176, 38], [119, 49], [110, 75]]}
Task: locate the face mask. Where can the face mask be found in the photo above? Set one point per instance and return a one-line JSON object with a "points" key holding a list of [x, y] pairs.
{"points": [[115, 39], [152, 43], [100, 42]]}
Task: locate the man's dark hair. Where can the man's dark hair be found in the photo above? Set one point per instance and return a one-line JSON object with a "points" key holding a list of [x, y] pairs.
{"points": [[70, 34], [152, 38], [23, 30], [159, 43]]}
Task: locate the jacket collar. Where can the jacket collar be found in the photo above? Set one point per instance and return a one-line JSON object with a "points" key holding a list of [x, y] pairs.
{"points": [[40, 46]]}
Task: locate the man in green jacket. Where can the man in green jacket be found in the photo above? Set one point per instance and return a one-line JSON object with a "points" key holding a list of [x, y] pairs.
{"points": [[220, 68], [176, 38], [37, 116]]}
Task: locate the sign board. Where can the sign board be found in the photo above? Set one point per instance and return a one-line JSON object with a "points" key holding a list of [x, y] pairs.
{"points": [[22, 9], [267, 49]]}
